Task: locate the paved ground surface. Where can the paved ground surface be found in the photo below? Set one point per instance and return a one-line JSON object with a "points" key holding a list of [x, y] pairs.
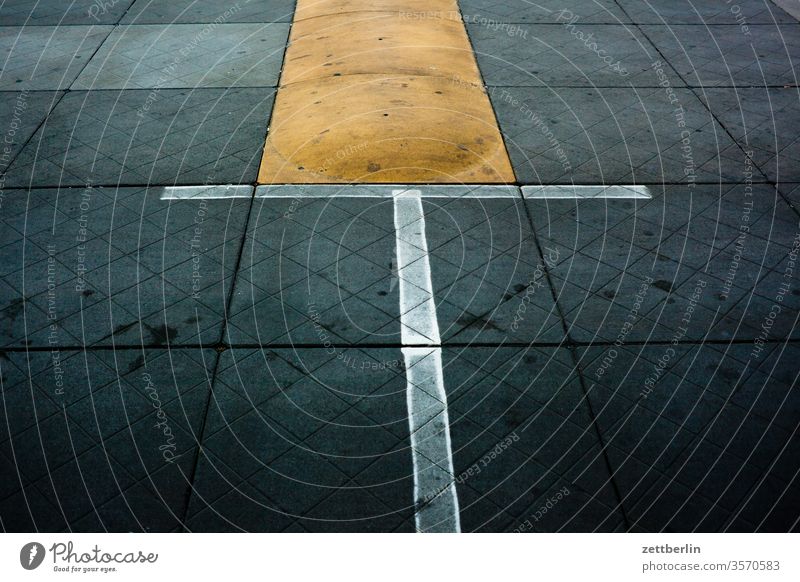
{"points": [[215, 364]]}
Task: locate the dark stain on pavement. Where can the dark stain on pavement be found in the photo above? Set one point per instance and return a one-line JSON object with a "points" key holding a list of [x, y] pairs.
{"points": [[13, 309], [663, 285], [467, 320], [161, 334], [136, 364]]}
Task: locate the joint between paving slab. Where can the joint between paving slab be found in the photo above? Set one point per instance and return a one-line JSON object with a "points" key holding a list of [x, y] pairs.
{"points": [[491, 103], [573, 355], [446, 344]]}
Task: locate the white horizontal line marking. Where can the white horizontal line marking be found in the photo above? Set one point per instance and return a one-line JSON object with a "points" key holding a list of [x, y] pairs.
{"points": [[539, 192], [206, 192], [384, 191]]}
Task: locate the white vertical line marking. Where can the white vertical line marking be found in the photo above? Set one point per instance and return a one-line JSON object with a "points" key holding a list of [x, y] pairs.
{"points": [[417, 309], [435, 497]]}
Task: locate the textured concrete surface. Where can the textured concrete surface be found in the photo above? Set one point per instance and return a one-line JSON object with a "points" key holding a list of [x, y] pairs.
{"points": [[187, 56], [207, 11], [47, 57]]}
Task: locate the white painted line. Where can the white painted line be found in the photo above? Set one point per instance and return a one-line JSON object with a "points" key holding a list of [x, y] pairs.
{"points": [[206, 192], [790, 6], [383, 191], [419, 326], [572, 192], [435, 497]]}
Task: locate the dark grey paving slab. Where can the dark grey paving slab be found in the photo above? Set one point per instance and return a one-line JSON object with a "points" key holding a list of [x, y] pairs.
{"points": [[522, 432], [714, 489], [613, 136], [724, 55], [781, 506], [23, 112], [762, 121], [55, 12], [706, 264], [187, 55], [30, 512], [791, 192], [306, 439], [134, 137], [692, 431], [521, 11], [119, 433], [790, 8], [208, 11], [118, 266], [487, 273], [692, 12], [46, 57], [317, 272], [569, 55]]}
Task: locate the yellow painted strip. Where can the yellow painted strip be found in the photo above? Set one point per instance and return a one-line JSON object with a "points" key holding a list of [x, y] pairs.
{"points": [[378, 43], [382, 91], [409, 8]]}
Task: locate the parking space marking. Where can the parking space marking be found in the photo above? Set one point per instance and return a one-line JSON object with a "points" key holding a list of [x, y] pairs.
{"points": [[487, 191], [384, 191], [588, 192], [206, 192], [435, 497], [419, 326]]}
